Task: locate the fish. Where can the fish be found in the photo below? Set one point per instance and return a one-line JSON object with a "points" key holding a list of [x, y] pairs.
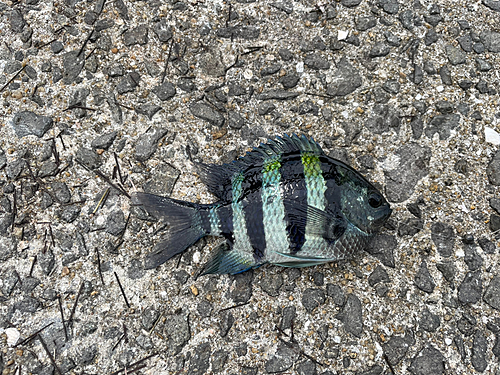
{"points": [[284, 203]]}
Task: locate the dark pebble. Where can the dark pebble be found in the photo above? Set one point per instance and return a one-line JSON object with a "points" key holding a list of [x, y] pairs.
{"points": [[429, 361], [491, 41], [443, 236], [479, 349], [148, 110], [448, 270], [200, 361], [397, 347], [312, 298], [471, 288], [219, 359], [459, 344], [345, 79], [423, 279], [241, 349], [414, 165], [318, 278], [86, 355], [382, 247], [10, 279], [163, 30], [443, 125], [410, 227], [373, 370], [336, 293], [465, 42], [17, 22], [428, 321], [104, 141], [28, 123], [307, 367], [181, 276], [271, 284], [492, 294], [316, 62], [417, 75], [444, 73], [138, 35], [242, 290], [164, 91], [483, 65], [285, 54], [417, 127], [473, 260], [265, 108], [128, 83], [147, 143], [379, 49], [466, 324], [288, 315], [352, 315], [204, 309], [377, 276], [278, 95], [27, 305], [455, 55], [406, 18], [350, 3], [207, 113], [162, 180], [176, 328], [149, 317], [270, 70], [61, 191], [235, 120], [73, 63], [429, 67], [384, 118], [46, 261], [487, 245], [392, 39], [15, 168], [70, 213], [88, 158], [284, 358], [493, 169], [226, 322]]}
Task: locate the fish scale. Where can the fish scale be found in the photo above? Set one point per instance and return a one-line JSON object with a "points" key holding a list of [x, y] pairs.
{"points": [[284, 203]]}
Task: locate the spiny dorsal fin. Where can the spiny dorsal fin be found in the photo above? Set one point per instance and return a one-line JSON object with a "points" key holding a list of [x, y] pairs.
{"points": [[218, 177], [276, 147]]}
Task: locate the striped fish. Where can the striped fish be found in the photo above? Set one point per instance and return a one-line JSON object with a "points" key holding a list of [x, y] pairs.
{"points": [[284, 203]]}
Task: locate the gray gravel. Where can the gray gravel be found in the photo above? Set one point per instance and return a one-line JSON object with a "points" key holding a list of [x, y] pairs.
{"points": [[99, 99]]}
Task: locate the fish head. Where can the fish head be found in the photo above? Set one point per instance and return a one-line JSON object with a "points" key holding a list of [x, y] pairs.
{"points": [[360, 202]]}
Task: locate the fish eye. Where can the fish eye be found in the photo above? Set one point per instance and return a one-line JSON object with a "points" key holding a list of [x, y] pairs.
{"points": [[375, 200]]}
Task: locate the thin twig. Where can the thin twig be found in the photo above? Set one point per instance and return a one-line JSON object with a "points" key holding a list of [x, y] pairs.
{"points": [[12, 79], [99, 265], [32, 336], [134, 364], [51, 357], [233, 307], [123, 292], [76, 302], [62, 316]]}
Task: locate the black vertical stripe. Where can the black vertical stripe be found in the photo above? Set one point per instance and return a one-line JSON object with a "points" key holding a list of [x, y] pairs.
{"points": [[294, 190], [254, 213]]}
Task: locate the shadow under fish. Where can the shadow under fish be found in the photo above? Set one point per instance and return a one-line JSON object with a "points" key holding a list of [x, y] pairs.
{"points": [[284, 203]]}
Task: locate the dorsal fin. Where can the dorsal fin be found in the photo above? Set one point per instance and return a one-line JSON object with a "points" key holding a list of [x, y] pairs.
{"points": [[274, 148], [218, 177]]}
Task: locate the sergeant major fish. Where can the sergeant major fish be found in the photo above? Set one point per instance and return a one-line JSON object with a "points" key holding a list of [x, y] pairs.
{"points": [[284, 203]]}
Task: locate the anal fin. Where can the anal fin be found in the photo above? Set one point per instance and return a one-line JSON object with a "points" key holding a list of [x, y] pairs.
{"points": [[229, 261]]}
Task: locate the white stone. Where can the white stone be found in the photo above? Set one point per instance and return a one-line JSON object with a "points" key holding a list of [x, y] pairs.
{"points": [[448, 341], [491, 136], [300, 67], [440, 89], [248, 74], [12, 336], [337, 339], [342, 35], [196, 257]]}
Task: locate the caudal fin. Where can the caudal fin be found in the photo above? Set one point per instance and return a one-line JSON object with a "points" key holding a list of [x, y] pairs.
{"points": [[184, 225]]}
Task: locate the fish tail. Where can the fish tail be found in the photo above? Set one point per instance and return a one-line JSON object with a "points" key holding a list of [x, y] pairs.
{"points": [[188, 222]]}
